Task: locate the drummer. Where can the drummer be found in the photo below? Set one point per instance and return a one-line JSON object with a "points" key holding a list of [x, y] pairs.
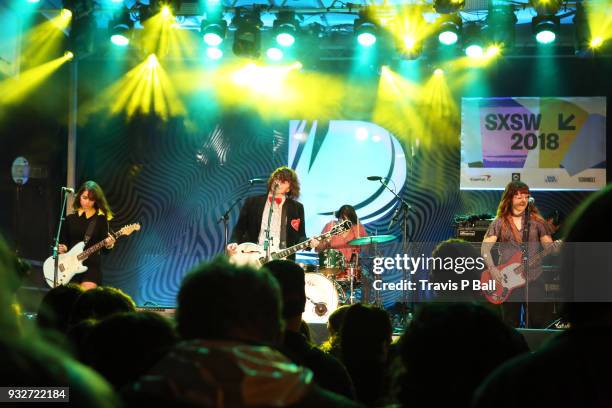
{"points": [[340, 242]]}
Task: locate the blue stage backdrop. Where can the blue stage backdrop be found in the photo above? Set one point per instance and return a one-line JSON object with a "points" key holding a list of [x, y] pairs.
{"points": [[178, 178]]}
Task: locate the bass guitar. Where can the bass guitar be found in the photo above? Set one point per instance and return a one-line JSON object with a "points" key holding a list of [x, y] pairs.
{"points": [[512, 274], [71, 263], [254, 255]]}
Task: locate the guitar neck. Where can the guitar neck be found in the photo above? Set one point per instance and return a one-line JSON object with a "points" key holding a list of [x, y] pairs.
{"points": [[93, 249], [536, 258], [290, 251], [297, 247]]}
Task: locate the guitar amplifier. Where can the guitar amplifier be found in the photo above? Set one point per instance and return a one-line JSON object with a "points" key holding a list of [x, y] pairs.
{"points": [[471, 232]]}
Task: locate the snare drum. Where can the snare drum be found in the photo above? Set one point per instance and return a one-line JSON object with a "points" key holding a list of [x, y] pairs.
{"points": [[321, 298], [331, 262]]}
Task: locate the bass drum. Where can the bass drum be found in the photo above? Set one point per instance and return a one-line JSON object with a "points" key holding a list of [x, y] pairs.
{"points": [[322, 298]]}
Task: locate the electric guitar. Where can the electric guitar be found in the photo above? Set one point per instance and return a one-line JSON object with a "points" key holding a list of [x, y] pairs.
{"points": [[254, 255], [71, 263], [512, 274]]}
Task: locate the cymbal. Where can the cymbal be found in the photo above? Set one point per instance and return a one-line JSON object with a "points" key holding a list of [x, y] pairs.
{"points": [[374, 239]]}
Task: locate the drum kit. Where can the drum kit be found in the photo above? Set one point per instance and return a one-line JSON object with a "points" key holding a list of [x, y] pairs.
{"points": [[329, 282]]}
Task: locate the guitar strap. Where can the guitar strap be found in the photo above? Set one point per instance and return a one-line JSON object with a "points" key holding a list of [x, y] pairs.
{"points": [[90, 229]]}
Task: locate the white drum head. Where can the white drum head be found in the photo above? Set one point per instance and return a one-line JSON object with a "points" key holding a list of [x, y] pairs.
{"points": [[321, 298]]}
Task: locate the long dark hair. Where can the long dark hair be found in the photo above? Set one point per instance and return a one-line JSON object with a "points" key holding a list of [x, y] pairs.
{"points": [[348, 212], [504, 209], [95, 194]]}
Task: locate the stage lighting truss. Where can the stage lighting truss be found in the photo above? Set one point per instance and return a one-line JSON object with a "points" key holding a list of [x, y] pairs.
{"points": [[449, 29], [247, 37], [285, 28], [213, 32], [365, 29]]}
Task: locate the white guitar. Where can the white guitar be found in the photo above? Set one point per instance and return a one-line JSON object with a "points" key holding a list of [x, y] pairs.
{"points": [[71, 263], [254, 255]]}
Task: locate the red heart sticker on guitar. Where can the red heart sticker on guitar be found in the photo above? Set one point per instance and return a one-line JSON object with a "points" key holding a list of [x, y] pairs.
{"points": [[295, 223]]}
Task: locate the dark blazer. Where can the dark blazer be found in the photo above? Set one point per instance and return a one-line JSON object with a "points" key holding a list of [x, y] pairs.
{"points": [[249, 222]]}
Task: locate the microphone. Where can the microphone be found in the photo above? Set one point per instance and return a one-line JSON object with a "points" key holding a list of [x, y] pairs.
{"points": [[531, 201], [68, 190], [374, 178], [256, 181]]}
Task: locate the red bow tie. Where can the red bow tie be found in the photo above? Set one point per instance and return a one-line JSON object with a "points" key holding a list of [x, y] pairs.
{"points": [[278, 200]]}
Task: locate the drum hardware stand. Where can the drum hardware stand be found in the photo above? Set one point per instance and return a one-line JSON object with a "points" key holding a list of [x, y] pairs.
{"points": [[352, 263], [377, 297]]}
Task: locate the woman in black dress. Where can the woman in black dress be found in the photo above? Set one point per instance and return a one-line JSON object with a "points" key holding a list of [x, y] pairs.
{"points": [[90, 208]]}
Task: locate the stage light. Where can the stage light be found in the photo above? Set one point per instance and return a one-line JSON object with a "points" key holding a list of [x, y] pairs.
{"points": [[438, 71], [492, 51], [152, 61], [285, 27], [449, 29], [66, 14], [545, 28], [120, 39], [448, 6], [472, 40], [365, 29], [33, 1], [474, 51], [545, 24], [214, 53], [596, 42], [409, 31], [586, 41], [166, 12], [68, 55], [213, 32], [275, 54], [247, 38], [119, 29]]}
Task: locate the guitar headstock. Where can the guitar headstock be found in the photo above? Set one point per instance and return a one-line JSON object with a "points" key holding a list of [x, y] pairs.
{"points": [[341, 227], [128, 229]]}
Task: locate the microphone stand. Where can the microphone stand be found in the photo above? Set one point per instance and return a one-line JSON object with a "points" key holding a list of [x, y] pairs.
{"points": [[57, 237], [525, 260], [225, 218], [267, 247], [404, 207]]}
